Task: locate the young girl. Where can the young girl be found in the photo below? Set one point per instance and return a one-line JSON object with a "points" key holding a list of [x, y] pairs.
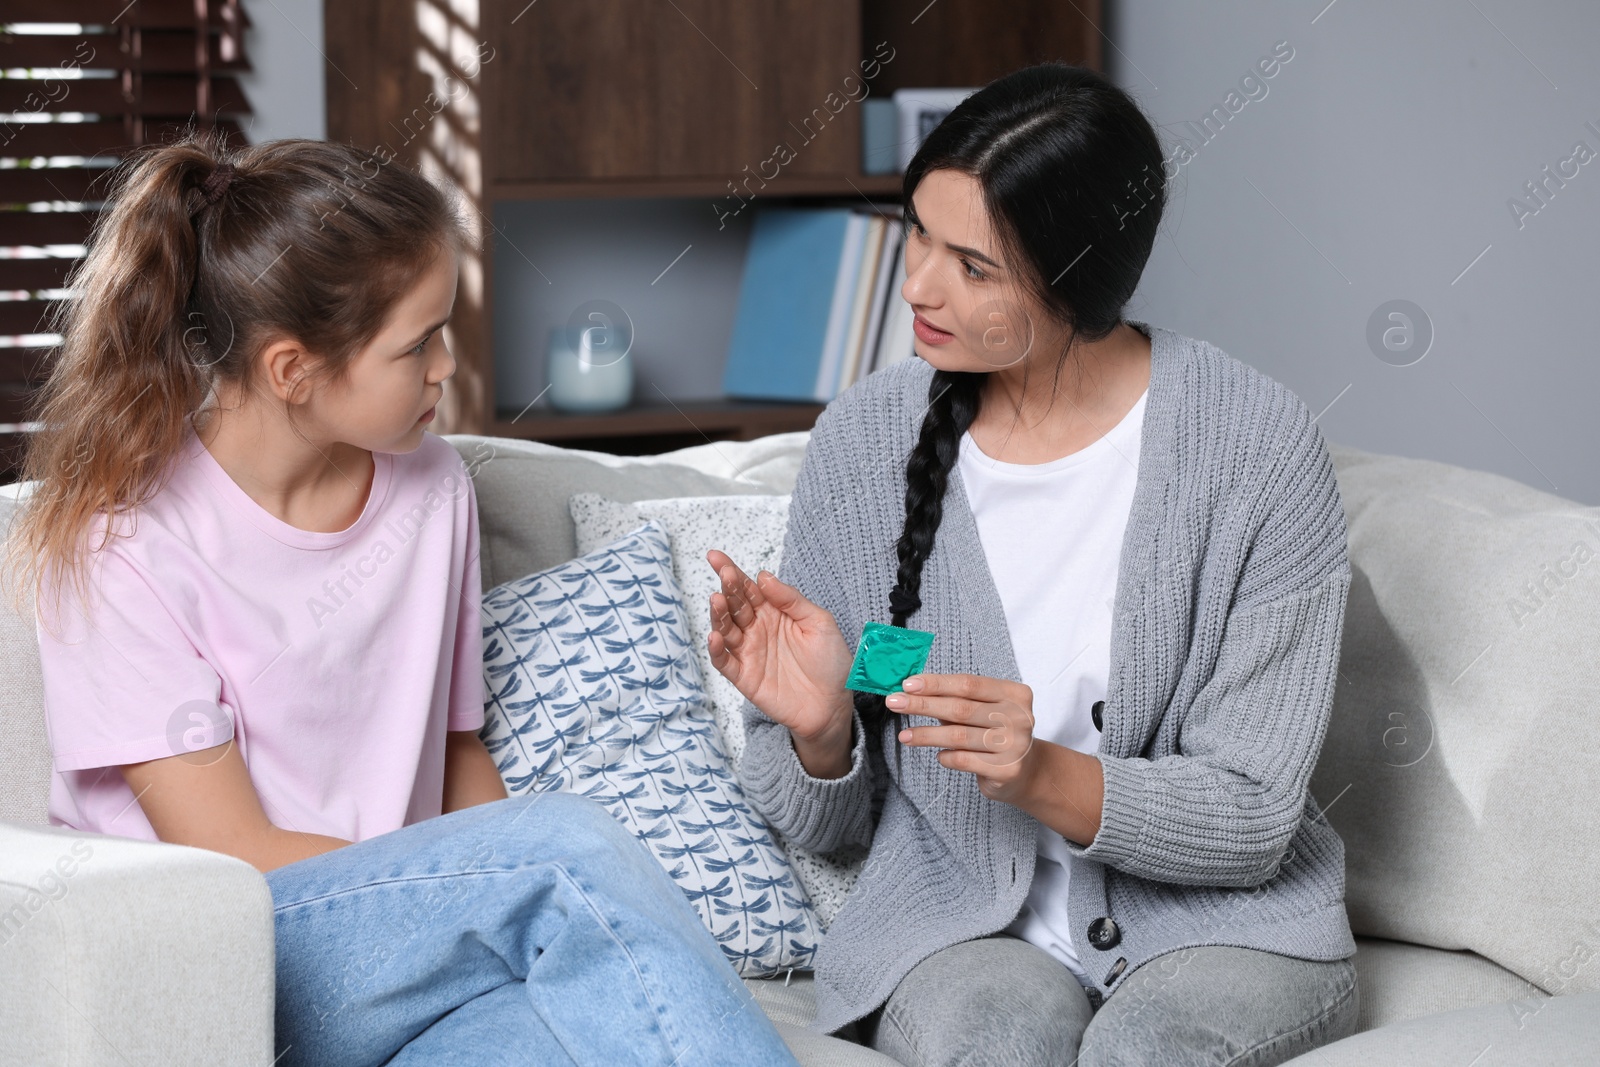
{"points": [[258, 592], [1090, 826]]}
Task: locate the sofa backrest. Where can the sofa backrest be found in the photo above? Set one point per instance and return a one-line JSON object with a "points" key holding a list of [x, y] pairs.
{"points": [[1461, 765], [523, 486], [1462, 761]]}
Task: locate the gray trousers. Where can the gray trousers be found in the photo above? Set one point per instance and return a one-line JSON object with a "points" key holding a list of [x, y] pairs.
{"points": [[999, 1001]]}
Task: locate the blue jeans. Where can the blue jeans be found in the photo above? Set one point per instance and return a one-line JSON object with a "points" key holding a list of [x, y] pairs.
{"points": [[531, 930], [1000, 1001]]}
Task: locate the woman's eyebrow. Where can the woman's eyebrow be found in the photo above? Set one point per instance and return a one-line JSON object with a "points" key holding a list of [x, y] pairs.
{"points": [[975, 254]]}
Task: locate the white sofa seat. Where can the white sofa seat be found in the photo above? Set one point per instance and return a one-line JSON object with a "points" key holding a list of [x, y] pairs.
{"points": [[1559, 1031], [1400, 981]]}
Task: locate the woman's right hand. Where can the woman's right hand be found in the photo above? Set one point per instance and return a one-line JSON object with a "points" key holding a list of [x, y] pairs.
{"points": [[781, 651]]}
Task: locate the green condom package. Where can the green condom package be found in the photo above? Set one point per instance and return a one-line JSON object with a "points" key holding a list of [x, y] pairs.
{"points": [[887, 656]]}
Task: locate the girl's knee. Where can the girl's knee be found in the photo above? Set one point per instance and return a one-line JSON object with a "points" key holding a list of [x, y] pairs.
{"points": [[570, 817], [543, 808]]}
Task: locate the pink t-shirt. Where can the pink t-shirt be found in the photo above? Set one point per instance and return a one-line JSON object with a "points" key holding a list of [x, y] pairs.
{"points": [[336, 661]]}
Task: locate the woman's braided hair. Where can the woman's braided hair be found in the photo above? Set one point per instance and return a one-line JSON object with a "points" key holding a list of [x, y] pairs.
{"points": [[1071, 174]]}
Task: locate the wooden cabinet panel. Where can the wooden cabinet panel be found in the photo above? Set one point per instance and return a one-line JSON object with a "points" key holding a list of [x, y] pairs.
{"points": [[680, 88], [972, 42]]}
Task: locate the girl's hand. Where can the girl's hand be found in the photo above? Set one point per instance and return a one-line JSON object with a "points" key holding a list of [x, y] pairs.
{"points": [[781, 651], [986, 728]]}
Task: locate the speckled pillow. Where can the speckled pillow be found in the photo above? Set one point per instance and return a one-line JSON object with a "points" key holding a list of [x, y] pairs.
{"points": [[750, 529]]}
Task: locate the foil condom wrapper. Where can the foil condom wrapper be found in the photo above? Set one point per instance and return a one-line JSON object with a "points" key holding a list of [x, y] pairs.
{"points": [[886, 657]]}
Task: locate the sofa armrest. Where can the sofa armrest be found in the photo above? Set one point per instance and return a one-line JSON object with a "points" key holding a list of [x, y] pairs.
{"points": [[118, 951]]}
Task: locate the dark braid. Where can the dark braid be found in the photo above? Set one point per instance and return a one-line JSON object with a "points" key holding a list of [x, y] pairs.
{"points": [[952, 405]]}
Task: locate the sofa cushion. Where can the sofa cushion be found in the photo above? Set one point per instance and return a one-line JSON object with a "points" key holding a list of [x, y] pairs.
{"points": [[791, 1003], [820, 1050], [523, 486], [1399, 981], [1461, 764], [750, 529], [593, 688], [1537, 1032]]}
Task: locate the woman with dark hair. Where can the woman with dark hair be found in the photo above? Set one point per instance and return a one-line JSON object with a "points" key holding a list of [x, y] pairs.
{"points": [[1131, 550]]}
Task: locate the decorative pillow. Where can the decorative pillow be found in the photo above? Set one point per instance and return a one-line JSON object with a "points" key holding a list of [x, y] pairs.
{"points": [[750, 529], [593, 688]]}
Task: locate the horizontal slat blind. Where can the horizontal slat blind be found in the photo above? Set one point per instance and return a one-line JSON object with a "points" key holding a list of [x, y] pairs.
{"points": [[78, 92], [150, 14], [154, 51]]}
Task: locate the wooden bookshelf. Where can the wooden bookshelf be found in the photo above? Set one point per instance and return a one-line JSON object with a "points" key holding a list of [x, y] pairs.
{"points": [[656, 426], [614, 99], [840, 185]]}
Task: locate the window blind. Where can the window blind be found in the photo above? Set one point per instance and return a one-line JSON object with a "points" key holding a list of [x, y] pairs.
{"points": [[77, 94]]}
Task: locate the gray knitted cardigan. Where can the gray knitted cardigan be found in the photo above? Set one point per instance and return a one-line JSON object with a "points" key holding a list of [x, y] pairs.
{"points": [[1225, 645]]}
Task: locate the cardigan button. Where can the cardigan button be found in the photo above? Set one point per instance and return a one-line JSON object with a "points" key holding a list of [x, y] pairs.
{"points": [[1116, 969], [1095, 711], [1104, 933]]}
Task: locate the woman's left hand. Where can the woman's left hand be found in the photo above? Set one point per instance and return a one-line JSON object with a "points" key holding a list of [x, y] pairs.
{"points": [[986, 728]]}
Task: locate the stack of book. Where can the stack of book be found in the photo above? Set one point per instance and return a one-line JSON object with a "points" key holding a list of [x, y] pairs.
{"points": [[819, 303]]}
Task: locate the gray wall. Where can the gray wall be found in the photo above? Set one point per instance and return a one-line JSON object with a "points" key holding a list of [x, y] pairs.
{"points": [[1378, 166], [284, 88]]}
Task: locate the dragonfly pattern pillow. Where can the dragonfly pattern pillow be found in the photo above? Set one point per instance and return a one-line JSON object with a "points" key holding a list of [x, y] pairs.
{"points": [[594, 688], [750, 529]]}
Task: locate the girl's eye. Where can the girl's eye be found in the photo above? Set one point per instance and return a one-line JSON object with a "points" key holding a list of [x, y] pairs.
{"points": [[423, 345]]}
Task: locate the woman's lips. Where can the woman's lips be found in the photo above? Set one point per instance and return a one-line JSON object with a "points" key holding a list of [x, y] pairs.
{"points": [[930, 333]]}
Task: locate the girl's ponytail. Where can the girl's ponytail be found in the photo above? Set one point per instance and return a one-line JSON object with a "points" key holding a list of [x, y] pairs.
{"points": [[114, 407], [203, 256]]}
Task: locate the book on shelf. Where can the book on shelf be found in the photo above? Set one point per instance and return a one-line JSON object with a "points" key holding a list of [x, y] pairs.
{"points": [[819, 303]]}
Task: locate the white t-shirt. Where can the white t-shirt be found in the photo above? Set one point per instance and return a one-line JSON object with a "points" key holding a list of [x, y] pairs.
{"points": [[1052, 535]]}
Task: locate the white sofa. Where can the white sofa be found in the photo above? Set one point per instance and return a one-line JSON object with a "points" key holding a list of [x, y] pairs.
{"points": [[1461, 768]]}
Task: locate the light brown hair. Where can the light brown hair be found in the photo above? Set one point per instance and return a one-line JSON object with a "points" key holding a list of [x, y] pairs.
{"points": [[307, 240]]}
